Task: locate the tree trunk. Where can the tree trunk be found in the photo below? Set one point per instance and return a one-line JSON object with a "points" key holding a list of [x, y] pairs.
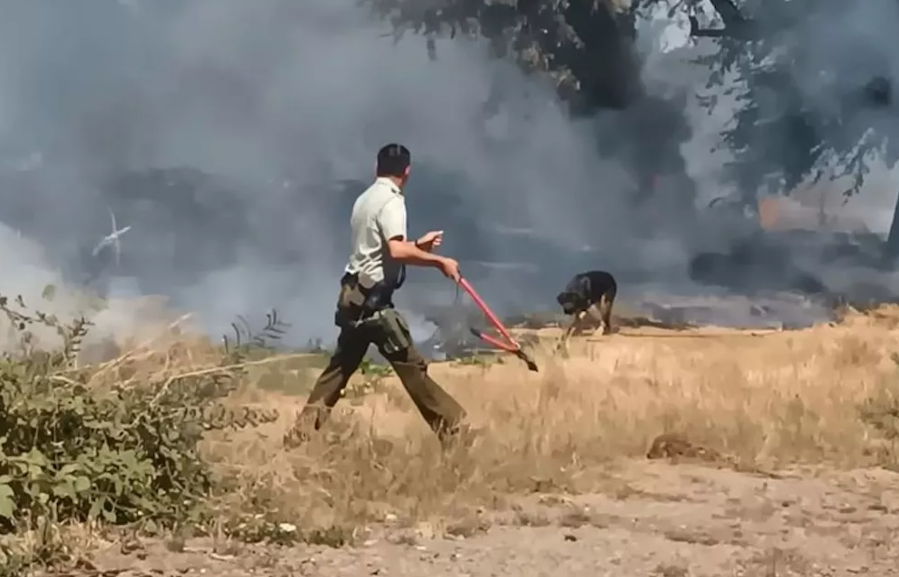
{"points": [[891, 249]]}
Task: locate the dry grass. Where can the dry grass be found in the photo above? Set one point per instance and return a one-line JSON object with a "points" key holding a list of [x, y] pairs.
{"points": [[761, 401]]}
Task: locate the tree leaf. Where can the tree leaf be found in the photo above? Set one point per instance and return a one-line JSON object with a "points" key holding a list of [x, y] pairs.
{"points": [[64, 490], [7, 508], [7, 502], [82, 484]]}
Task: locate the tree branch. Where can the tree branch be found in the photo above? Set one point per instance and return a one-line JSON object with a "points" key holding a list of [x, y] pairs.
{"points": [[736, 26]]}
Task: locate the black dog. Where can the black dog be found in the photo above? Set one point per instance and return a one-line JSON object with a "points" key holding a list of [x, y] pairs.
{"points": [[592, 292]]}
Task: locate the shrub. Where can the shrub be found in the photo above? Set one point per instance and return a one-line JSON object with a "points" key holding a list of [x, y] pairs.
{"points": [[75, 446]]}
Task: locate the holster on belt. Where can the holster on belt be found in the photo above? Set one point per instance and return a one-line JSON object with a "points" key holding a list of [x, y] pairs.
{"points": [[358, 307], [357, 303]]}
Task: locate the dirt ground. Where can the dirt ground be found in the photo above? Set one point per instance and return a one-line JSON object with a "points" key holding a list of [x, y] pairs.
{"points": [[673, 520], [777, 463]]}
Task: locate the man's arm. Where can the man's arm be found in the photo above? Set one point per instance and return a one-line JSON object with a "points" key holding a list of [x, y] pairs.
{"points": [[392, 222], [401, 250]]}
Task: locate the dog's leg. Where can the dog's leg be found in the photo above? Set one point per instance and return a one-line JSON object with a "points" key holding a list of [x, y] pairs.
{"points": [[563, 340], [575, 323], [594, 313], [605, 312]]}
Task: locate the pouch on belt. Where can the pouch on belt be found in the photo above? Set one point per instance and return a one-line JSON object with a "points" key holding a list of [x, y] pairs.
{"points": [[392, 329]]}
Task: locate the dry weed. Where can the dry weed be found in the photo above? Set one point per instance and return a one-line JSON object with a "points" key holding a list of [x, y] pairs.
{"points": [[530, 518], [671, 570], [770, 400], [778, 563], [789, 397]]}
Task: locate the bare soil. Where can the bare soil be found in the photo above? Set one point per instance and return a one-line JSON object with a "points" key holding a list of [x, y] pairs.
{"points": [[663, 519]]}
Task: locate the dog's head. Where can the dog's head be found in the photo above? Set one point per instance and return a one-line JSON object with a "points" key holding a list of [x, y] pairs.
{"points": [[568, 301]]}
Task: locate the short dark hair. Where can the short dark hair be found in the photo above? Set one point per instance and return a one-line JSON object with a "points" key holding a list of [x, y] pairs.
{"points": [[393, 160]]}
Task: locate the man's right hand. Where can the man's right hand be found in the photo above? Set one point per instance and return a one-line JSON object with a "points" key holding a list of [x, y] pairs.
{"points": [[450, 268]]}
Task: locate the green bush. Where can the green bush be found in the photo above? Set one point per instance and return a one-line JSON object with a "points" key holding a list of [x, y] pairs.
{"points": [[72, 448]]}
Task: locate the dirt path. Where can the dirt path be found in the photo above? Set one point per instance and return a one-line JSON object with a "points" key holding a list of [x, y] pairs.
{"points": [[656, 519]]}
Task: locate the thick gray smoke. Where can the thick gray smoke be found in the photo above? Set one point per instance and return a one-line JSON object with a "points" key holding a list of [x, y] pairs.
{"points": [[283, 99], [298, 94], [831, 57]]}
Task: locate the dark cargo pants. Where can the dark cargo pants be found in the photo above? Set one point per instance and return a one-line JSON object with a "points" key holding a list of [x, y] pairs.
{"points": [[441, 412]]}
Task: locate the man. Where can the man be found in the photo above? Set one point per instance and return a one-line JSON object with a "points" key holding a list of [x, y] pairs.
{"points": [[365, 311]]}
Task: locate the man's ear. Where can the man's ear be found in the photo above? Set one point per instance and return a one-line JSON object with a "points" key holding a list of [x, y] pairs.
{"points": [[406, 172]]}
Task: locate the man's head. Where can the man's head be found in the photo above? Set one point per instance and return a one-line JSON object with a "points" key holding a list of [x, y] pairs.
{"points": [[394, 162]]}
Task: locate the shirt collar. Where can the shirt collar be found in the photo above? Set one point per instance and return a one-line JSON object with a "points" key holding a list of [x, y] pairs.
{"points": [[384, 181]]}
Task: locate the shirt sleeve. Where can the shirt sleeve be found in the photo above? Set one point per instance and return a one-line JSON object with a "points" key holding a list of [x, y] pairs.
{"points": [[392, 219]]}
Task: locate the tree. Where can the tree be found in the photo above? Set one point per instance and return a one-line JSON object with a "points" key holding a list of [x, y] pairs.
{"points": [[816, 92], [587, 48]]}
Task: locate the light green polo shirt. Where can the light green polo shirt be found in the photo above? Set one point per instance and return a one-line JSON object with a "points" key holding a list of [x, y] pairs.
{"points": [[378, 214]]}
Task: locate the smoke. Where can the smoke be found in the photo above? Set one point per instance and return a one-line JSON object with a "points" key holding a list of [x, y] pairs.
{"points": [[822, 62], [832, 57], [281, 99], [818, 62]]}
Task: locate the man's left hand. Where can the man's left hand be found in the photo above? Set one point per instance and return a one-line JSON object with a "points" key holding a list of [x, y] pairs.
{"points": [[429, 241]]}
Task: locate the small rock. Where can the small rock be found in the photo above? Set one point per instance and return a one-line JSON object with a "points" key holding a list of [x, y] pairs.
{"points": [[570, 537]]}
